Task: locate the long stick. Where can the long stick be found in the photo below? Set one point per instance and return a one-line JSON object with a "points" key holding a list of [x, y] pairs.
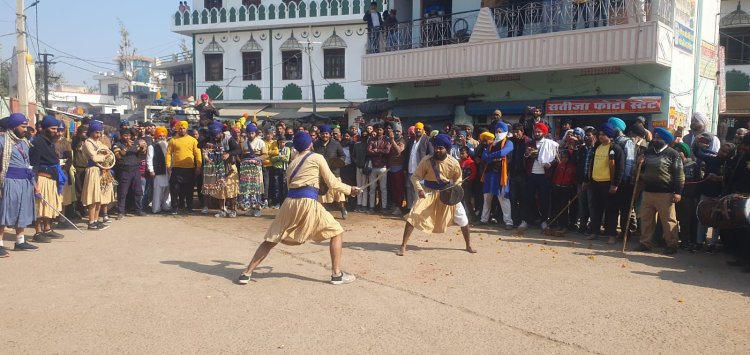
{"points": [[565, 208], [626, 227], [60, 213], [374, 181]]}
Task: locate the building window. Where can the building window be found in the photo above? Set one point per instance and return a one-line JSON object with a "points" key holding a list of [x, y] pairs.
{"points": [[113, 90], [737, 49], [214, 67], [212, 4], [251, 66], [179, 88], [334, 62], [292, 67]]}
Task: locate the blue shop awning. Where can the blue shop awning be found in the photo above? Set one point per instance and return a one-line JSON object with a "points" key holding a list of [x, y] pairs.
{"points": [[423, 110], [508, 108]]}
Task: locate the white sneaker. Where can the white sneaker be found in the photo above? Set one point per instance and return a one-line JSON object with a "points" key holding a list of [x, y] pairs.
{"points": [[221, 214], [232, 214], [523, 226], [342, 279], [204, 210]]}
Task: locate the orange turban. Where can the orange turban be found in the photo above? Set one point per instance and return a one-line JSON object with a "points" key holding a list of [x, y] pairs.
{"points": [[160, 132], [486, 137]]}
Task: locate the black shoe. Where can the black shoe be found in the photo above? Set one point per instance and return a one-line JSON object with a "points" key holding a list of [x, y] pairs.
{"points": [[94, 227], [40, 238], [641, 247], [3, 252], [140, 213], [120, 216], [102, 226], [669, 251], [53, 235], [173, 212], [243, 279], [25, 246]]}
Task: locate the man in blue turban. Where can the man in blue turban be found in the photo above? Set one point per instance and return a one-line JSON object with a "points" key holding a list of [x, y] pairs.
{"points": [[663, 178], [625, 190], [495, 178], [50, 178], [301, 216], [429, 213], [16, 181]]}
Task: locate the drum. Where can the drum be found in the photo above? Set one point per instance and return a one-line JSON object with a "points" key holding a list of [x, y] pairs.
{"points": [[731, 211]]}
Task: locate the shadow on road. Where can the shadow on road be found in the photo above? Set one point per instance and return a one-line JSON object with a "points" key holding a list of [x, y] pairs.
{"points": [[222, 268], [393, 248]]}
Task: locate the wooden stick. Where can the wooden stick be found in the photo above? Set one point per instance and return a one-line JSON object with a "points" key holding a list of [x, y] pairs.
{"points": [[564, 208], [626, 227]]}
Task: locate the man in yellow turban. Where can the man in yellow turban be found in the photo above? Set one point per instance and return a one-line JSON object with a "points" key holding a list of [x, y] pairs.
{"points": [[416, 149]]}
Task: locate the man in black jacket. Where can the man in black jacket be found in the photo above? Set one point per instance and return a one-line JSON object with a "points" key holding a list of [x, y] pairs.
{"points": [[374, 24], [128, 176], [331, 149], [603, 177], [663, 179]]}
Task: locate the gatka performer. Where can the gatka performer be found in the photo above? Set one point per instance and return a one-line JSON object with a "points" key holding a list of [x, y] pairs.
{"points": [[301, 216], [429, 214]]}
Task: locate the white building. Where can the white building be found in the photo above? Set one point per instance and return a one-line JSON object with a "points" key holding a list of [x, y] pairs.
{"points": [[260, 56]]}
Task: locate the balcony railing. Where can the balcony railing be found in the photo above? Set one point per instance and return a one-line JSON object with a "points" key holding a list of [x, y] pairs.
{"points": [[175, 58], [529, 19], [429, 32]]}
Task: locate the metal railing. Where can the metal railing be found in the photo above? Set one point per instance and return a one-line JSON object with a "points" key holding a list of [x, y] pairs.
{"points": [[430, 31], [565, 15], [543, 16], [176, 58]]}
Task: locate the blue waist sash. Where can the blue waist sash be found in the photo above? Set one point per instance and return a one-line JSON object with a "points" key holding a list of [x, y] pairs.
{"points": [[20, 174], [303, 192], [434, 185], [61, 177]]}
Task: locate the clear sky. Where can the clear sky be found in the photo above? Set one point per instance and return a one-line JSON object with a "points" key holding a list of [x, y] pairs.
{"points": [[88, 29]]}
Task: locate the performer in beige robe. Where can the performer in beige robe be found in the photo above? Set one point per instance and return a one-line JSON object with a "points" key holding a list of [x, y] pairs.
{"points": [[301, 216], [429, 214], [94, 196]]}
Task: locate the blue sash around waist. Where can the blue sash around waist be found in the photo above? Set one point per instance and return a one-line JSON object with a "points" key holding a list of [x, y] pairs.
{"points": [[303, 192], [61, 177], [20, 174], [434, 185]]}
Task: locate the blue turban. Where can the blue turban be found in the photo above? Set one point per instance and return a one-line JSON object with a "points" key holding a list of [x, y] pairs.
{"points": [[617, 123], [442, 140], [49, 121], [302, 141], [579, 132], [96, 126], [15, 120], [215, 128], [665, 135], [609, 130], [251, 128], [501, 125], [325, 129]]}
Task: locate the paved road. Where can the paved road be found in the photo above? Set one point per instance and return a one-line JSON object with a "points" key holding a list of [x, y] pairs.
{"points": [[165, 285]]}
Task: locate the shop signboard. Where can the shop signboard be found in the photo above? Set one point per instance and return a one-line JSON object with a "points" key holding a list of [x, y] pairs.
{"points": [[604, 106], [684, 38], [709, 60]]}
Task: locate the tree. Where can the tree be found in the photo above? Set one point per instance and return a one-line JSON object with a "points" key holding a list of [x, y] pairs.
{"points": [[184, 49], [4, 79], [126, 54]]}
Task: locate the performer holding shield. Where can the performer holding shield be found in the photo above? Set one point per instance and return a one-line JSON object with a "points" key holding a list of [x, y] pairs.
{"points": [[431, 214]]}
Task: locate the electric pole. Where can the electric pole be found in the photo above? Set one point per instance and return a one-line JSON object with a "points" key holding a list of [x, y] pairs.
{"points": [[21, 63], [312, 82], [46, 77]]}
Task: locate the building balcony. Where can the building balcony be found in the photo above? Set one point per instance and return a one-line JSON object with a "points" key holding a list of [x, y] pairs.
{"points": [[531, 38], [242, 15]]}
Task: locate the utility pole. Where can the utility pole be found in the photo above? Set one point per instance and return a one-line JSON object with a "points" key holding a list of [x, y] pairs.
{"points": [[308, 49], [46, 77], [21, 63]]}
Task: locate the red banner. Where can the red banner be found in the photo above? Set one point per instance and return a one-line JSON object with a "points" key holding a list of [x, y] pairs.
{"points": [[635, 104]]}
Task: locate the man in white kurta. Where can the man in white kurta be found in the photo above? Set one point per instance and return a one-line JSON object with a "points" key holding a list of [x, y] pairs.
{"points": [[429, 214]]}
